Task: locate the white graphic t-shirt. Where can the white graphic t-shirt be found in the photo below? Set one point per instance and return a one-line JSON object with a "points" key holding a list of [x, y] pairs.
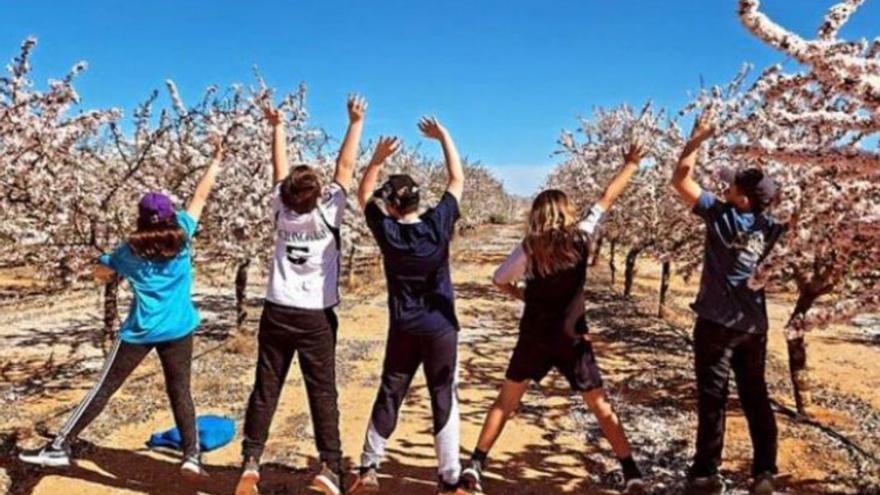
{"points": [[305, 266]]}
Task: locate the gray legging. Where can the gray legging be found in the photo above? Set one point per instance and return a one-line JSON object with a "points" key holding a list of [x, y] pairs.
{"points": [[124, 357]]}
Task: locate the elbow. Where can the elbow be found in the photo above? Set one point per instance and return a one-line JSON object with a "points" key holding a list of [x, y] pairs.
{"points": [[678, 178]]}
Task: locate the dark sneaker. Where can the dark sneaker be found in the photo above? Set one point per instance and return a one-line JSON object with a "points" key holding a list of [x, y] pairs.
{"points": [[763, 484], [327, 481], [249, 479], [705, 485], [472, 479], [635, 486], [444, 488], [366, 482], [191, 468], [48, 456]]}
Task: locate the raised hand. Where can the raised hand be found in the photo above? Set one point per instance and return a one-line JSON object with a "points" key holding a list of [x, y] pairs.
{"points": [[357, 108], [431, 128], [636, 151], [218, 145], [387, 146], [273, 115], [704, 126]]}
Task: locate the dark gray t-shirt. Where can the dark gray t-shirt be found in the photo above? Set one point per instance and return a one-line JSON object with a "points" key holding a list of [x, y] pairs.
{"points": [[736, 242]]}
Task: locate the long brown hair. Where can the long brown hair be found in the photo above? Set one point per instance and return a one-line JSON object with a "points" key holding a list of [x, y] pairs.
{"points": [[553, 241], [157, 242], [301, 189]]}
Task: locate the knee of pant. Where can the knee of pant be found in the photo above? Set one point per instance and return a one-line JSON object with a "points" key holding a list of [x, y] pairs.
{"points": [[713, 394]]}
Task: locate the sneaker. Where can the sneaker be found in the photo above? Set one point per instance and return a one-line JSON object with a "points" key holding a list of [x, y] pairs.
{"points": [[191, 468], [250, 477], [763, 484], [472, 479], [444, 488], [705, 485], [366, 482], [48, 456], [327, 481], [635, 486]]}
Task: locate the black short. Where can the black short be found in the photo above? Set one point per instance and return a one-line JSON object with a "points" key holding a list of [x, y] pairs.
{"points": [[532, 360]]}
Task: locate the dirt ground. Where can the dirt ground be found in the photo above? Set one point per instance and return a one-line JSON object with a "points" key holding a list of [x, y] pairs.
{"points": [[51, 352]]}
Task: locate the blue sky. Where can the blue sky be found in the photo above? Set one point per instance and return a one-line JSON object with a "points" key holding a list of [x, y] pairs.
{"points": [[504, 75]]}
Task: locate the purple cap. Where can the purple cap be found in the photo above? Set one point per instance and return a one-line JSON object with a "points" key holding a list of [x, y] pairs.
{"points": [[752, 182], [155, 208]]}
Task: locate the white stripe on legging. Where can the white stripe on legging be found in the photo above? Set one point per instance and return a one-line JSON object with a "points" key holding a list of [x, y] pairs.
{"points": [[78, 412], [447, 441]]}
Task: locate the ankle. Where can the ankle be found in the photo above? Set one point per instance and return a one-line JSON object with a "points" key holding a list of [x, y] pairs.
{"points": [[630, 468], [479, 457]]}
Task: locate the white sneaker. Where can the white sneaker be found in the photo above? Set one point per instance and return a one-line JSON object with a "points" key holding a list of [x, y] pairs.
{"points": [[48, 456], [192, 470]]}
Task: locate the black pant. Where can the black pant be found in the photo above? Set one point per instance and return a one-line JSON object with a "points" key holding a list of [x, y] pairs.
{"points": [[717, 349], [124, 357], [283, 332]]}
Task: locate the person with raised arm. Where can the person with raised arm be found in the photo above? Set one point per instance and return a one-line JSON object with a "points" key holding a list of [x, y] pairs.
{"points": [[298, 314], [553, 333], [156, 260], [423, 324], [731, 327]]}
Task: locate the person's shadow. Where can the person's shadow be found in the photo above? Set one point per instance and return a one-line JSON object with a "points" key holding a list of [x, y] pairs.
{"points": [[137, 471]]}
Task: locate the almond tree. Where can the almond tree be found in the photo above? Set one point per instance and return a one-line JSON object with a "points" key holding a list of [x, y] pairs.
{"points": [[809, 133], [647, 219]]}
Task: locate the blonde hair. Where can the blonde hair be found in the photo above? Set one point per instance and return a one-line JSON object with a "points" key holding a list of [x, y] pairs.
{"points": [[553, 240]]}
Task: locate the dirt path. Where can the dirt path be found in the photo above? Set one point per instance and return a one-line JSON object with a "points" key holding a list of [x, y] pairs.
{"points": [[551, 447]]}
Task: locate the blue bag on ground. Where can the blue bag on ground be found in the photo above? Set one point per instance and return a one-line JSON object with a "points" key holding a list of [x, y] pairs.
{"points": [[214, 432]]}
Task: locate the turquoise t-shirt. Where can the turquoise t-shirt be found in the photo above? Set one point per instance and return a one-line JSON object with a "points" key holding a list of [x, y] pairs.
{"points": [[162, 308]]}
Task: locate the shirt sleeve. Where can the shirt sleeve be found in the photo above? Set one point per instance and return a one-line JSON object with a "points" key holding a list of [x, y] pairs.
{"points": [[774, 235], [592, 219], [445, 214], [513, 269], [187, 223], [114, 259], [707, 206], [333, 203], [375, 218]]}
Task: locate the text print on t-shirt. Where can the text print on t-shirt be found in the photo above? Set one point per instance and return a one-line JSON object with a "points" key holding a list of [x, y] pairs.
{"points": [[297, 247], [749, 246]]}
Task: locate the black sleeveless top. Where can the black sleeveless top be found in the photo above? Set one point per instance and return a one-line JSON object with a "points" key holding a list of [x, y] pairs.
{"points": [[555, 305]]}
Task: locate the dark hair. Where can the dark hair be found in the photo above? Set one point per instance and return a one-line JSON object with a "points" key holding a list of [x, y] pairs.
{"points": [[301, 189], [747, 182], [402, 193], [157, 241]]}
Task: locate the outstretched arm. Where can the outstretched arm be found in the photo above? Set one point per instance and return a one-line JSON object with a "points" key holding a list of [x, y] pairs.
{"points": [[631, 160], [683, 177], [345, 163], [386, 147], [431, 128], [275, 118], [510, 272], [203, 189]]}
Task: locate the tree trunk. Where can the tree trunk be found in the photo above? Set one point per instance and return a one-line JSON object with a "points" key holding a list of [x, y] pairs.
{"points": [[611, 267], [241, 279], [351, 275], [629, 272], [665, 275], [797, 356], [597, 251], [111, 313]]}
